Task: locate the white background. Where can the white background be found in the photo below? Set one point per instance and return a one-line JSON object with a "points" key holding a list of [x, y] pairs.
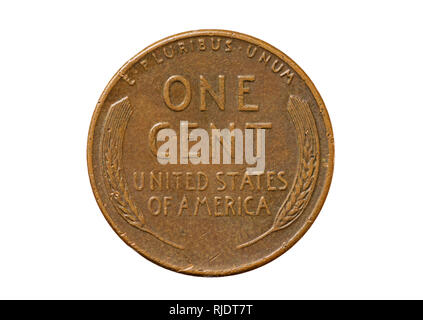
{"points": [[365, 58]]}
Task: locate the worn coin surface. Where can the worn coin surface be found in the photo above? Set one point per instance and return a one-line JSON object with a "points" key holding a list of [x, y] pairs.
{"points": [[210, 153]]}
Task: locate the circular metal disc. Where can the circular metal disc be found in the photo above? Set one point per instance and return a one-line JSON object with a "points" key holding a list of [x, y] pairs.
{"points": [[210, 153]]}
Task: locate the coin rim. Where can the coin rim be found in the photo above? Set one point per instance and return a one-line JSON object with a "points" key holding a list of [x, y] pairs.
{"points": [[240, 36]]}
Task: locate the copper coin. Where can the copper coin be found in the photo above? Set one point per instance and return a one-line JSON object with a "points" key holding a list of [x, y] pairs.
{"points": [[210, 153]]}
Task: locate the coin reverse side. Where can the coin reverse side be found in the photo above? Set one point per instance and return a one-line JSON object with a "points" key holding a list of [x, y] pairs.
{"points": [[210, 153]]}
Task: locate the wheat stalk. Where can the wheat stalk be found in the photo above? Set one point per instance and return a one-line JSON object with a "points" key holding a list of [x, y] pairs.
{"points": [[307, 169], [119, 191], [301, 191], [116, 122]]}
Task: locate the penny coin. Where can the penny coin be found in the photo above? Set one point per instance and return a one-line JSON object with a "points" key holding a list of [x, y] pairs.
{"points": [[210, 153]]}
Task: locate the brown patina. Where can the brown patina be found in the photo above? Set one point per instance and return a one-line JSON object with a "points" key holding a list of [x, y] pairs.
{"points": [[230, 203]]}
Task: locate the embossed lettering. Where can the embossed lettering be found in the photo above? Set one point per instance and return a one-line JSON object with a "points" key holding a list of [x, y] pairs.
{"points": [[158, 60], [155, 180], [206, 87], [220, 180], [264, 58], [269, 176], [182, 48], [183, 205], [205, 179], [144, 63], [166, 93], [201, 202], [262, 205], [275, 67], [228, 46], [288, 74], [153, 211], [251, 51], [246, 200], [166, 204], [215, 46], [282, 179], [202, 44], [138, 185], [189, 182], [168, 52], [217, 203], [242, 89]]}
